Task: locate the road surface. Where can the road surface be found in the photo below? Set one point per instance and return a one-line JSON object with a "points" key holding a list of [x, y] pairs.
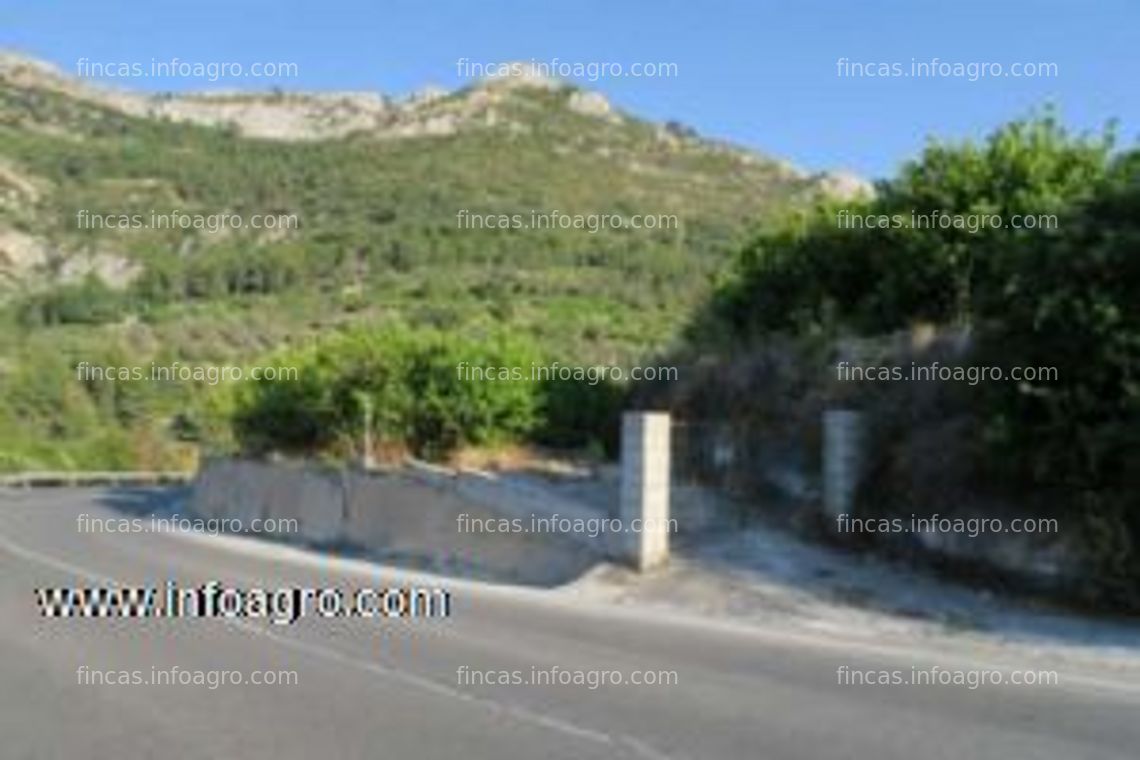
{"points": [[391, 688]]}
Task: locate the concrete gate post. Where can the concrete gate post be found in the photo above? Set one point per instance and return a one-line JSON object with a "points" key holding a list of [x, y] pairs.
{"points": [[844, 440], [645, 470]]}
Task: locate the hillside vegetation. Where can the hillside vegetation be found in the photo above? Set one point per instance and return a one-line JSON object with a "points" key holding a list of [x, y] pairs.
{"points": [[1061, 296], [377, 240]]}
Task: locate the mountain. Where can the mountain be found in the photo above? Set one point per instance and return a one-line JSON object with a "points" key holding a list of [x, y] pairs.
{"points": [[127, 220], [399, 167]]}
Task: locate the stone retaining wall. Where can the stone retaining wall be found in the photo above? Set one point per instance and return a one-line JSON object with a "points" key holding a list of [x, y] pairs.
{"points": [[402, 517]]}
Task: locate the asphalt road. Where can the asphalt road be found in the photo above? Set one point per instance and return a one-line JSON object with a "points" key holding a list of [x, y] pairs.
{"points": [[384, 688]]}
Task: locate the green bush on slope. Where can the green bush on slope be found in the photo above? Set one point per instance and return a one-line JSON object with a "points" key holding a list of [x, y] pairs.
{"points": [[1063, 295], [430, 391]]}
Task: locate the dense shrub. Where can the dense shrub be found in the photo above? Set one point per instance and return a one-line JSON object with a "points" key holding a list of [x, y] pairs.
{"points": [[1074, 306], [430, 391], [1061, 295], [450, 410], [580, 413], [832, 268]]}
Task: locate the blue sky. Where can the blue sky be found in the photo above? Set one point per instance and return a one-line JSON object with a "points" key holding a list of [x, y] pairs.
{"points": [[763, 74]]}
